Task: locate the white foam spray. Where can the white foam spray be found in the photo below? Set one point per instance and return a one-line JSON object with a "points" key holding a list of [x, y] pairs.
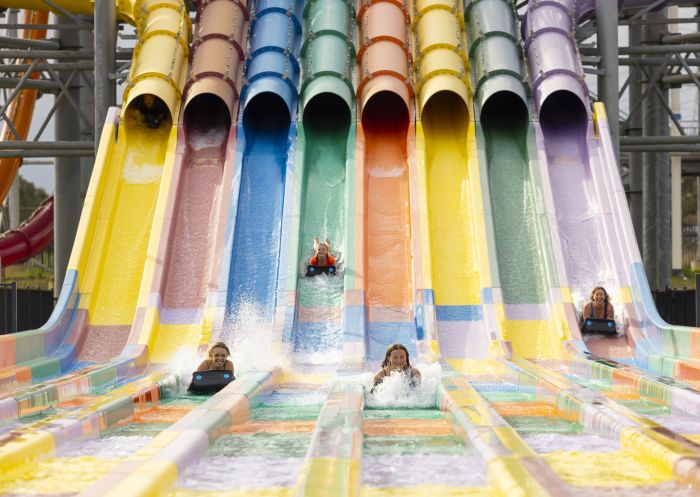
{"points": [[395, 390], [253, 342]]}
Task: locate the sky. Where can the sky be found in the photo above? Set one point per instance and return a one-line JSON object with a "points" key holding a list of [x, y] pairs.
{"points": [[42, 174]]}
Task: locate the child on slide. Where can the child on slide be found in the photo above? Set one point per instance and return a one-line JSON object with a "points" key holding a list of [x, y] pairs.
{"points": [[218, 359], [396, 360], [322, 254]]}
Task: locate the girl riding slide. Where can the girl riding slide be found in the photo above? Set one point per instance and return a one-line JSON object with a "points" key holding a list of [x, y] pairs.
{"points": [[322, 254]]}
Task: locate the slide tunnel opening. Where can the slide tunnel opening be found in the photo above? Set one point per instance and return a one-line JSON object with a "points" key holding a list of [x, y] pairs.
{"points": [[563, 110], [206, 122], [150, 110]]}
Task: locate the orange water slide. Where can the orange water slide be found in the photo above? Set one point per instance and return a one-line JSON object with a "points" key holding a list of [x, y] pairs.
{"points": [[385, 95], [19, 112]]}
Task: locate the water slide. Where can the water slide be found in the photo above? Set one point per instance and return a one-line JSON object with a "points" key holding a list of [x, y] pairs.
{"points": [[19, 112], [266, 145], [453, 219], [592, 217], [96, 307], [383, 232], [501, 424], [323, 179], [506, 140], [29, 238]]}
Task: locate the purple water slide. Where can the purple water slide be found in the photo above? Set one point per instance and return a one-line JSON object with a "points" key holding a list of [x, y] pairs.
{"points": [[597, 239], [561, 96]]}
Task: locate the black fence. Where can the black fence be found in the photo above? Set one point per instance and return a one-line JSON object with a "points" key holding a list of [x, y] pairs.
{"points": [[23, 308], [689, 244], [676, 306]]}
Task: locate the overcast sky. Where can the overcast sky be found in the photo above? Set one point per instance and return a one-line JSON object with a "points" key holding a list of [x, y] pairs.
{"points": [[43, 175]]}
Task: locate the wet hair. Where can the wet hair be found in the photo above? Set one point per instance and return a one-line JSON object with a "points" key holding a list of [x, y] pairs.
{"points": [[607, 297], [395, 346], [219, 345]]}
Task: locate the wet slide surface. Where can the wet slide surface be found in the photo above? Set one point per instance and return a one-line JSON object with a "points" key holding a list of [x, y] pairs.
{"points": [[196, 223], [578, 216], [389, 287], [452, 246], [196, 218], [326, 128], [521, 271], [519, 248], [570, 178], [133, 185], [256, 245]]}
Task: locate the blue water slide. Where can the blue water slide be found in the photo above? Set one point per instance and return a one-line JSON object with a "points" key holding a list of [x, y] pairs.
{"points": [[273, 53], [269, 99]]}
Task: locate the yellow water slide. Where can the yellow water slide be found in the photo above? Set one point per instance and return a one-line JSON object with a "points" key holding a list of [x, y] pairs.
{"points": [[453, 233], [133, 163]]}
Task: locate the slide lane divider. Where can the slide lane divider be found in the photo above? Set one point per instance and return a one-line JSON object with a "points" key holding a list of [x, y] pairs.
{"points": [[21, 446], [512, 467], [643, 437], [155, 467], [333, 462]]}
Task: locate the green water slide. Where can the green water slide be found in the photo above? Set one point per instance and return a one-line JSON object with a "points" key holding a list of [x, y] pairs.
{"points": [[507, 145], [325, 145]]}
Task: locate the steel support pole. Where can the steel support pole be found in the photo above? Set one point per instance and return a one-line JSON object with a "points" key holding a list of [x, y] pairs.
{"points": [[697, 298], [13, 197], [68, 201], [608, 84], [88, 131], [676, 171], [696, 265], [656, 183], [105, 50], [635, 130], [676, 216]]}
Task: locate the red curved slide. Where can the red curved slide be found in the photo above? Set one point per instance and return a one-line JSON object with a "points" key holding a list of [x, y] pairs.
{"points": [[30, 237]]}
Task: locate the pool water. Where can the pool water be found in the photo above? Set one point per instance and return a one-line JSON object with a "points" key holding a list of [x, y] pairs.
{"points": [[410, 447], [266, 451]]}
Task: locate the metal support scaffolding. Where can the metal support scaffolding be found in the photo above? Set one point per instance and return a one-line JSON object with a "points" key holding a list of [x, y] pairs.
{"points": [[608, 81], [67, 199], [656, 183], [105, 63], [635, 131], [659, 58]]}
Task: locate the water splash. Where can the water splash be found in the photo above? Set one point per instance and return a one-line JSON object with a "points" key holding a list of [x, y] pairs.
{"points": [[184, 362], [386, 172], [141, 174], [395, 390], [207, 137], [252, 339]]}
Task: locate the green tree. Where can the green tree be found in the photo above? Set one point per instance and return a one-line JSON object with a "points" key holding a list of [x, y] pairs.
{"points": [[30, 197]]}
